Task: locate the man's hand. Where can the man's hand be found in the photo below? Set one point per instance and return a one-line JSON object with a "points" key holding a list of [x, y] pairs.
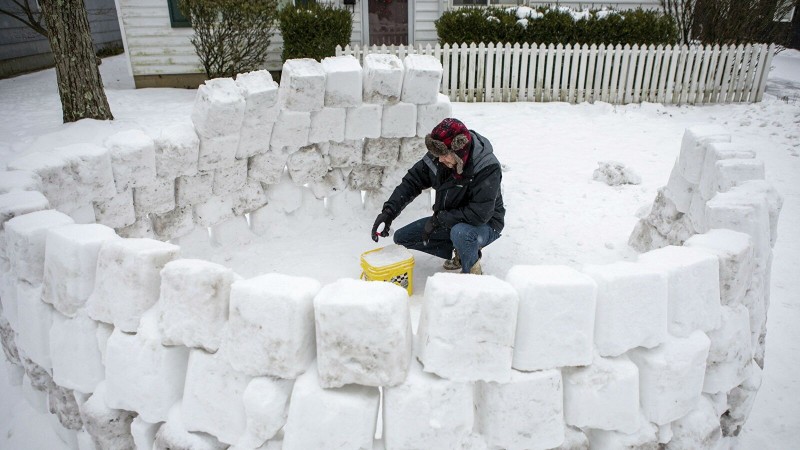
{"points": [[430, 225], [385, 218]]}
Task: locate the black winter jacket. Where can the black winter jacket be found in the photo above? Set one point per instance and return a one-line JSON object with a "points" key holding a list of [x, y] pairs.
{"points": [[475, 198]]}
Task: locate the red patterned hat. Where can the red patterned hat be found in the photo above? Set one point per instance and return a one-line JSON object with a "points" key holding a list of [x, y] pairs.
{"points": [[450, 136]]}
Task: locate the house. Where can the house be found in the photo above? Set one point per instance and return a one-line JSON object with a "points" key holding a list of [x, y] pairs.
{"points": [[156, 36]]}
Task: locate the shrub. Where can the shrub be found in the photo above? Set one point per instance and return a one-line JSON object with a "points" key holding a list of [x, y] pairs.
{"points": [[230, 36], [314, 30]]}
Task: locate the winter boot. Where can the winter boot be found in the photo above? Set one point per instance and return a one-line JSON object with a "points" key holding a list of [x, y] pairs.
{"points": [[476, 268], [454, 263]]}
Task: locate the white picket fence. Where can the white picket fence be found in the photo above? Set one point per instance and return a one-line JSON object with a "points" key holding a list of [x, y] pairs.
{"points": [[582, 73]]}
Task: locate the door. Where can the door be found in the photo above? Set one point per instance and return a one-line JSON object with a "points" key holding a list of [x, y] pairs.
{"points": [[388, 22]]}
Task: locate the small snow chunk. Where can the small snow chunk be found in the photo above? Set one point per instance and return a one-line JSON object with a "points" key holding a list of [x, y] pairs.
{"points": [[615, 173], [133, 159]]}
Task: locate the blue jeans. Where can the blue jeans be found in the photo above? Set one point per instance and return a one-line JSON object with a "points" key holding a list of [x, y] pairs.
{"points": [[467, 239]]}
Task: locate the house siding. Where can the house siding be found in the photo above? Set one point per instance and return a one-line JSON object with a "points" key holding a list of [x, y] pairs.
{"points": [[425, 13]]}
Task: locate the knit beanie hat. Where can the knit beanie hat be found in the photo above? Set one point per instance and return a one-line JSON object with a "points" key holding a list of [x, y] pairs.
{"points": [[450, 136]]}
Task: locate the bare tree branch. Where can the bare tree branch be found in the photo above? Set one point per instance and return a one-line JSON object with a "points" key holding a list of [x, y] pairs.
{"points": [[28, 14]]}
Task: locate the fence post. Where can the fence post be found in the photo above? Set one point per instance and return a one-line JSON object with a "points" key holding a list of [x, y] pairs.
{"points": [[471, 72], [762, 84]]}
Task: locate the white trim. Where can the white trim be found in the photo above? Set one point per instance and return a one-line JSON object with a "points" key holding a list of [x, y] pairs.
{"points": [[124, 37]]}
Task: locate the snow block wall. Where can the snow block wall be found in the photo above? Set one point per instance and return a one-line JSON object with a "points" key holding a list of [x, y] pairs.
{"points": [[129, 345]]}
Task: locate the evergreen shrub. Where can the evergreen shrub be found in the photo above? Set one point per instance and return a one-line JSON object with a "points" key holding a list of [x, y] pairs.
{"points": [[314, 30]]}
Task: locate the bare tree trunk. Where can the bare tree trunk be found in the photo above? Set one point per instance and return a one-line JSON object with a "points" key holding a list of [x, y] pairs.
{"points": [[79, 82]]}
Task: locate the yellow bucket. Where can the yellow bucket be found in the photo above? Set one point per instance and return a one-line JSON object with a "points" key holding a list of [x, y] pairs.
{"points": [[393, 263]]}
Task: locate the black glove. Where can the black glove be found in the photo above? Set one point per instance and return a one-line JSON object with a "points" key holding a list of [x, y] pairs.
{"points": [[385, 217], [430, 225]]}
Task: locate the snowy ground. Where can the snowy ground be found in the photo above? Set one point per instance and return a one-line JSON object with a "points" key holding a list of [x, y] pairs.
{"points": [[556, 213]]}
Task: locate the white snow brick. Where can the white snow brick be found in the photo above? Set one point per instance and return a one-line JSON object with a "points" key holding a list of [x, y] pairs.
{"points": [[233, 233], [25, 242], [399, 120], [117, 211], [173, 224], [363, 332], [307, 165], [346, 154], [343, 81], [177, 151], [266, 404], [261, 111], [173, 435], [213, 211], [249, 198], [194, 302], [219, 151], [383, 78], [717, 152], [142, 228], [36, 319], [764, 189], [381, 152], [157, 197], [734, 251], [193, 189], [700, 428], [645, 437], [22, 180], [285, 196], [104, 331], [8, 297], [693, 280], [527, 412], [270, 330], [363, 121], [421, 79], [697, 213], [428, 116], [466, 328], [302, 85], [128, 278], [141, 374], [331, 184], [631, 307], [730, 173], [143, 433], [109, 428], [218, 110], [70, 262], [330, 418], [679, 190], [345, 203], [739, 210], [58, 182], [91, 166], [693, 149], [603, 395], [213, 397], [327, 124], [740, 402], [83, 214], [267, 167], [427, 411], [412, 150], [291, 130], [555, 322], [75, 353], [230, 179], [133, 159], [730, 351], [17, 203], [671, 376]]}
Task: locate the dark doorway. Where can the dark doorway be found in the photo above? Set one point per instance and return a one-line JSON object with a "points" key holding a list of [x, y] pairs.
{"points": [[388, 22]]}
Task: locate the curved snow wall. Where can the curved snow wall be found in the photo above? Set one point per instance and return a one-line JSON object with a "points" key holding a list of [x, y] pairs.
{"points": [[128, 345]]}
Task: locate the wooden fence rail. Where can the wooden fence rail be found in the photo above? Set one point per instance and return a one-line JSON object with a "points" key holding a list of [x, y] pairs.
{"points": [[581, 73]]}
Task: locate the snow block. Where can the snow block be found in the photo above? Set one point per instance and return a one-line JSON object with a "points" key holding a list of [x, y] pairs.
{"points": [[421, 79], [213, 211], [671, 376], [679, 190], [218, 109], [697, 212], [17, 203], [70, 262], [730, 173], [177, 151], [330, 418], [740, 402], [157, 197], [734, 250], [302, 85], [527, 412], [194, 302], [251, 197], [631, 307], [58, 183], [261, 111], [383, 78], [555, 322], [291, 129], [25, 242], [193, 189], [142, 228], [82, 214], [343, 81], [8, 297], [35, 319], [128, 278], [428, 116], [133, 159], [267, 167], [700, 428], [739, 210], [230, 179], [266, 404], [109, 428], [233, 232], [270, 330], [363, 333], [173, 224], [365, 177], [213, 397], [399, 120], [218, 151], [331, 184], [22, 180], [717, 152], [381, 152], [412, 150], [91, 168], [603, 395], [764, 189], [363, 121], [75, 353], [285, 196], [173, 435], [143, 433], [327, 124], [427, 411], [466, 328], [693, 293], [117, 211], [730, 351], [307, 165], [345, 154], [693, 149], [645, 437], [141, 374]]}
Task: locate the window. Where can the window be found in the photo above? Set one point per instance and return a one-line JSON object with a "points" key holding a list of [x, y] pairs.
{"points": [[481, 2], [176, 19]]}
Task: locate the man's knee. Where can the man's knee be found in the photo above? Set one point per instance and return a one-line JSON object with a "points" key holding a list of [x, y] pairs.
{"points": [[462, 232]]}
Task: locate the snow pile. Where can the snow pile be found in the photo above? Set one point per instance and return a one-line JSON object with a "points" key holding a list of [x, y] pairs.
{"points": [[615, 173]]}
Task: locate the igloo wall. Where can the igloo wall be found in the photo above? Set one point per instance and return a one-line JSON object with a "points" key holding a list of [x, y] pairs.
{"points": [[129, 345]]}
